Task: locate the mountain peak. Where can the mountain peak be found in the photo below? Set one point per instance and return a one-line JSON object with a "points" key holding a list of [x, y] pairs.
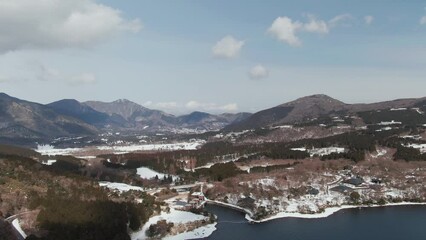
{"points": [[2, 94], [123, 100], [67, 101], [5, 96], [315, 99]]}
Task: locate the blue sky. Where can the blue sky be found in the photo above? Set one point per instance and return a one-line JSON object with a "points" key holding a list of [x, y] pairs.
{"points": [[214, 56]]}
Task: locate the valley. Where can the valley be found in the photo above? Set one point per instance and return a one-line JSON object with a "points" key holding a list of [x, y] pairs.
{"points": [[317, 156]]}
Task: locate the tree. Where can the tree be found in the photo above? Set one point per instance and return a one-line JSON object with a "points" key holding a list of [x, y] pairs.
{"points": [[355, 197]]}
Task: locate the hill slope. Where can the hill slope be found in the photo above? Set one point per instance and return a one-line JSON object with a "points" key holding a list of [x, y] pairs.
{"points": [[23, 119], [310, 107], [80, 111]]}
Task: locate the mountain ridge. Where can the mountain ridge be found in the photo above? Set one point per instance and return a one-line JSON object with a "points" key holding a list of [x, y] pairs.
{"points": [[313, 106], [69, 117], [21, 119]]}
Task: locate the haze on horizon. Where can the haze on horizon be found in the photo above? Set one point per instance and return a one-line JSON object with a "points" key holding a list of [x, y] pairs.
{"points": [[213, 56]]}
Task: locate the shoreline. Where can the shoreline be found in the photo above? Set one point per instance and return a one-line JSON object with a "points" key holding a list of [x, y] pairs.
{"points": [[327, 212]]}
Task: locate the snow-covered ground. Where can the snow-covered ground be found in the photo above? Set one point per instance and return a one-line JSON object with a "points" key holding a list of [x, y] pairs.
{"points": [[415, 137], [266, 181], [282, 126], [380, 152], [421, 147], [222, 159], [120, 147], [154, 147], [86, 157], [201, 232], [320, 151], [384, 129], [48, 162], [418, 110], [176, 216], [52, 151], [18, 228], [389, 123], [121, 187], [327, 212], [148, 173], [398, 109]]}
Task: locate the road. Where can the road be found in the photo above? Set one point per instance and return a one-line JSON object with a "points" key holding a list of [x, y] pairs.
{"points": [[10, 220]]}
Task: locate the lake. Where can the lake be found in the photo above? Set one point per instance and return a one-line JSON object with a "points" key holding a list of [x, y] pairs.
{"points": [[390, 223]]}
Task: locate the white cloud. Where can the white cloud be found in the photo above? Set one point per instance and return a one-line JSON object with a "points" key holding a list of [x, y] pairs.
{"points": [[82, 79], [45, 73], [315, 26], [339, 20], [195, 105], [258, 72], [147, 103], [368, 19], [167, 105], [178, 108], [3, 79], [285, 29], [227, 47], [48, 24], [232, 107], [423, 20]]}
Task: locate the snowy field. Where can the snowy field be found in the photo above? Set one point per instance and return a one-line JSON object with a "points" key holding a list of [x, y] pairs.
{"points": [[320, 151], [121, 187], [121, 149], [177, 216], [421, 147], [154, 147], [52, 151], [147, 173]]}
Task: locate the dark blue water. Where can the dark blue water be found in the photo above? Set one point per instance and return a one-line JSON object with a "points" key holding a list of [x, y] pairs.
{"points": [[388, 223]]}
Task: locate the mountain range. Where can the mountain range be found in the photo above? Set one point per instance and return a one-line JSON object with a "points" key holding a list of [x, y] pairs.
{"points": [[20, 119], [29, 121]]}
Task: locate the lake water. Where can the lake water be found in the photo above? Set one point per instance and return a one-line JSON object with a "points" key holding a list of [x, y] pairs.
{"points": [[389, 223]]}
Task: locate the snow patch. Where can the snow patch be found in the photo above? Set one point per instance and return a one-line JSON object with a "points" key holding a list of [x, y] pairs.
{"points": [[201, 232], [148, 173], [380, 153], [174, 216], [121, 187], [266, 181], [52, 151], [384, 129], [48, 162], [320, 151], [421, 147], [389, 123], [154, 147]]}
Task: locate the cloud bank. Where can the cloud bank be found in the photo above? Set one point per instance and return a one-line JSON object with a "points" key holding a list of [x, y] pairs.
{"points": [[52, 24]]}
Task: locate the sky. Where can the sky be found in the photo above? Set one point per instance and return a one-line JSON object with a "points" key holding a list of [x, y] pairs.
{"points": [[214, 56]]}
